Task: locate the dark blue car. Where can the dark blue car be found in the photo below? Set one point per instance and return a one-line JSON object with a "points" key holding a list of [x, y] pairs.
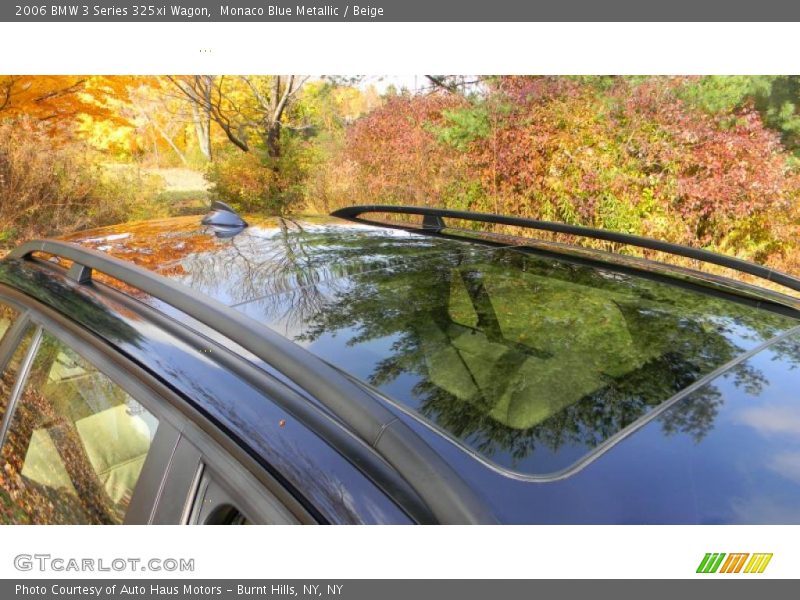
{"points": [[344, 370]]}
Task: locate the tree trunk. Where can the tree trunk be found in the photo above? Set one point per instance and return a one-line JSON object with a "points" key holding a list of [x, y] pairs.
{"points": [[273, 139], [202, 128]]}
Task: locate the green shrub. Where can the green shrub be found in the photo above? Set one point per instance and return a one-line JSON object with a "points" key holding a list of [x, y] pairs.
{"points": [[628, 155], [247, 183], [127, 195]]}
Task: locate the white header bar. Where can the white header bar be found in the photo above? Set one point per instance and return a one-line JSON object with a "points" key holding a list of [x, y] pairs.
{"points": [[400, 48]]}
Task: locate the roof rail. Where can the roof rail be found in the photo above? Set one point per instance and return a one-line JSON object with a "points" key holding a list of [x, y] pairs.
{"points": [[433, 220], [446, 497]]}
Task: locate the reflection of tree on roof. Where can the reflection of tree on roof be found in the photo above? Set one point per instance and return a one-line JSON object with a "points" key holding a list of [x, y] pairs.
{"points": [[80, 307]]}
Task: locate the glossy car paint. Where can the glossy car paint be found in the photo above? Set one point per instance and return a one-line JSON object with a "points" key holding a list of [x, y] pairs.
{"points": [[726, 453], [310, 469]]}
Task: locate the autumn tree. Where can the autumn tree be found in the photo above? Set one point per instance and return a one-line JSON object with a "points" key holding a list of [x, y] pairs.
{"points": [[455, 84], [167, 120], [161, 120], [244, 107], [58, 100], [398, 153], [205, 105]]}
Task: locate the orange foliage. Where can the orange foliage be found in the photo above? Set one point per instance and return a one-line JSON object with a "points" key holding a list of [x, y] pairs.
{"points": [[59, 99]]}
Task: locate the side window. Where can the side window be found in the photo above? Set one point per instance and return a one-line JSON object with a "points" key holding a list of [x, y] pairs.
{"points": [[74, 445], [215, 506], [206, 486], [9, 375], [7, 317]]}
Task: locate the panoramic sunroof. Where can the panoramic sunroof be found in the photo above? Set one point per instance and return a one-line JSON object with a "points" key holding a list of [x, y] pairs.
{"points": [[529, 361]]}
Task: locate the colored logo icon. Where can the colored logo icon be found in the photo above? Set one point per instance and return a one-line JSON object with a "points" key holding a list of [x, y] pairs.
{"points": [[742, 562]]}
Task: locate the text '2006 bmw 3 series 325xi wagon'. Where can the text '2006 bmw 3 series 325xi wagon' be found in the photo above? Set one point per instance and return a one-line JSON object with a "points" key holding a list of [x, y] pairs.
{"points": [[346, 369]]}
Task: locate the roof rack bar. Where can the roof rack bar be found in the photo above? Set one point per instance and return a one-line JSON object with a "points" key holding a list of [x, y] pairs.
{"points": [[447, 497], [354, 213]]}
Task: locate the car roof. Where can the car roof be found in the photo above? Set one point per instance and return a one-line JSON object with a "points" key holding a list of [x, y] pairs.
{"points": [[441, 329]]}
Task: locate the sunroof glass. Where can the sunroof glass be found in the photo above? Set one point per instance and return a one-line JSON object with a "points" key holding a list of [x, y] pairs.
{"points": [[527, 360]]}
